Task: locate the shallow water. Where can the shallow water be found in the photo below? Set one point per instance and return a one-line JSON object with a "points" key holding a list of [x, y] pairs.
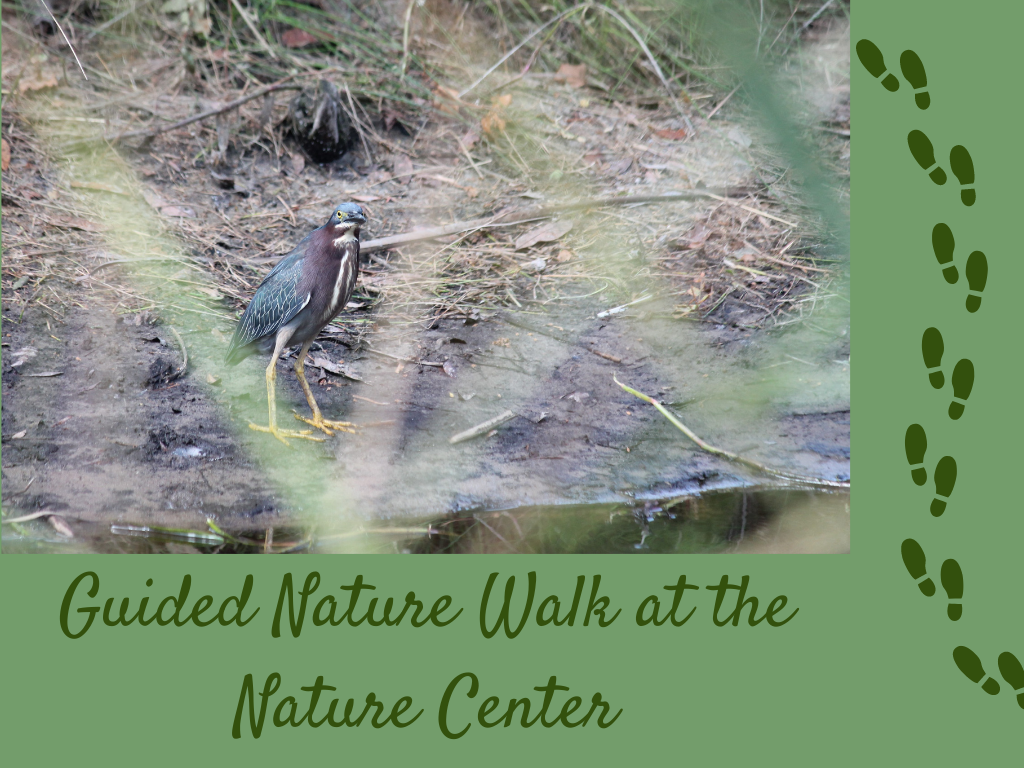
{"points": [[752, 520]]}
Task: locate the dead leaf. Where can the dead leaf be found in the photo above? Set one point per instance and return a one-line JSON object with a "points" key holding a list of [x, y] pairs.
{"points": [[297, 38], [392, 117], [696, 237], [672, 135], [178, 212], [469, 139], [449, 368], [593, 158], [212, 380], [338, 369], [573, 74], [75, 222], [154, 199], [224, 180], [545, 233], [563, 256], [37, 81], [61, 526], [746, 255], [739, 137], [402, 165], [447, 99], [620, 166], [23, 355], [365, 198], [97, 186], [537, 265], [492, 123], [5, 155]]}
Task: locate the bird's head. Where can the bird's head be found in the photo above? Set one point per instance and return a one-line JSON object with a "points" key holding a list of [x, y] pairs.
{"points": [[347, 217]]}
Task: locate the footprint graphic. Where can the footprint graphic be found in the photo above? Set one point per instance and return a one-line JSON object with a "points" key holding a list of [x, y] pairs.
{"points": [[977, 276], [931, 350], [913, 70], [953, 582], [963, 383], [943, 244], [969, 663], [945, 479], [916, 443], [963, 168], [913, 558], [921, 149], [1013, 674], [874, 63]]}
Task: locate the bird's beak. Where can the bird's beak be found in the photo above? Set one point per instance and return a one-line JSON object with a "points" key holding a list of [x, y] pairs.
{"points": [[354, 218]]}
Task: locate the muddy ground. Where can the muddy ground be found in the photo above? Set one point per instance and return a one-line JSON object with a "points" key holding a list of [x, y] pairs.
{"points": [[101, 427]]}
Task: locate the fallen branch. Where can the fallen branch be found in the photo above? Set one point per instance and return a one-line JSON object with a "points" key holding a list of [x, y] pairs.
{"points": [[151, 132], [546, 212], [728, 454], [484, 428], [403, 359]]}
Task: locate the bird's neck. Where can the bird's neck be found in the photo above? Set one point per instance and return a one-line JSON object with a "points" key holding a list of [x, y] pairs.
{"points": [[340, 237]]}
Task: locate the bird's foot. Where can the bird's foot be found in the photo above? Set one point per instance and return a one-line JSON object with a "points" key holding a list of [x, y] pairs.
{"points": [[326, 426], [281, 434]]}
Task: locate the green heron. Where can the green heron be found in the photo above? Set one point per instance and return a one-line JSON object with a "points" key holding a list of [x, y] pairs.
{"points": [[301, 295]]}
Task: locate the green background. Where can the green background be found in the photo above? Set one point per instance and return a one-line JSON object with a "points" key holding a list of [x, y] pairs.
{"points": [[863, 672]]}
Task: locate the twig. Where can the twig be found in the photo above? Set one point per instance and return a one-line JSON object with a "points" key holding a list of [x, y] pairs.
{"points": [[622, 307], [58, 26], [605, 355], [481, 429], [385, 243], [722, 102], [403, 359], [804, 267], [728, 454], [150, 132], [754, 210], [18, 493], [357, 122], [30, 516]]}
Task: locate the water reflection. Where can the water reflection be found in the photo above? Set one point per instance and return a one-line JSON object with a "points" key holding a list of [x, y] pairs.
{"points": [[759, 520]]}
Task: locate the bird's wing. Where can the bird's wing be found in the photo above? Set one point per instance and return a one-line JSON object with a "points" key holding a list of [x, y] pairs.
{"points": [[276, 302]]}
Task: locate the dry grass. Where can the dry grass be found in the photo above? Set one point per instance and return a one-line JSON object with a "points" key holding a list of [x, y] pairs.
{"points": [[420, 157]]}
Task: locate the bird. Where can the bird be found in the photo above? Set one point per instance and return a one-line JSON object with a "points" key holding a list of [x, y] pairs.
{"points": [[301, 295]]}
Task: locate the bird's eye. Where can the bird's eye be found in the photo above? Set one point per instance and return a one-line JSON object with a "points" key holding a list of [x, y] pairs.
{"points": [[341, 215]]}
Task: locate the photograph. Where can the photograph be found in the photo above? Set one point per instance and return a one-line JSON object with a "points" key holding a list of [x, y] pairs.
{"points": [[431, 276]]}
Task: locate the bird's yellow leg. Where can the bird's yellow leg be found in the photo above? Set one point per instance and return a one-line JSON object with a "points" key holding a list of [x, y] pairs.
{"points": [[280, 434], [318, 419]]}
